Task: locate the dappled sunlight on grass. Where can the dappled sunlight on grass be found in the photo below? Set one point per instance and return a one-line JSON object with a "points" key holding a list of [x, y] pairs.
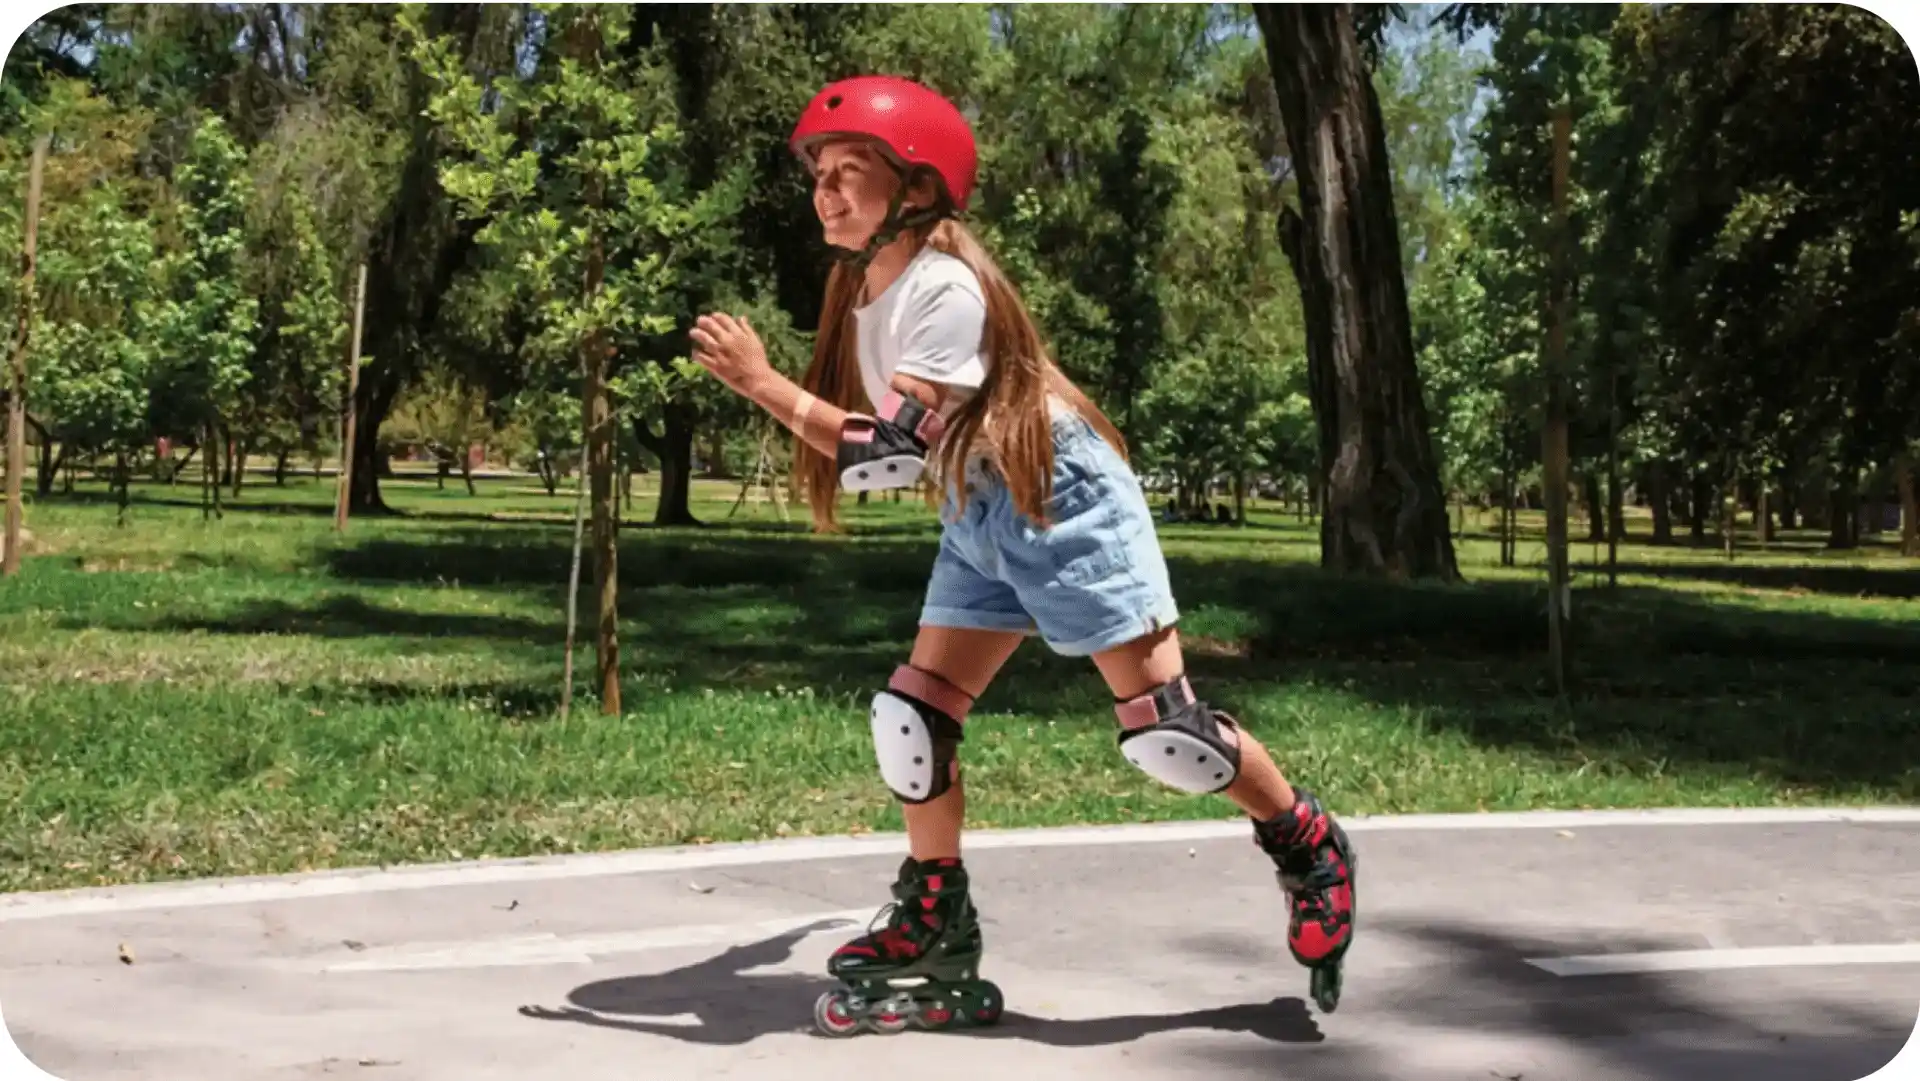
{"points": [[260, 694]]}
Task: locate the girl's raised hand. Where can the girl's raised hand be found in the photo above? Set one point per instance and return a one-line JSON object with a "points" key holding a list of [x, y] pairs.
{"points": [[730, 349]]}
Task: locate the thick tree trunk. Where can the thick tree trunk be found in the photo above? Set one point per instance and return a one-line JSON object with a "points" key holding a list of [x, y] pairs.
{"points": [[1841, 520], [676, 468], [1385, 510], [1660, 502], [413, 255]]}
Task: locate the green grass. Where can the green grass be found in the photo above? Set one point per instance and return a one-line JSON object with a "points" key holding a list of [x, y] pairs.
{"points": [[255, 694]]}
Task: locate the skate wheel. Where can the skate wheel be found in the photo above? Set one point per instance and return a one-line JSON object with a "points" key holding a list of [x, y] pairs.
{"points": [[831, 1016], [888, 1023], [986, 1010], [934, 1017], [1325, 985]]}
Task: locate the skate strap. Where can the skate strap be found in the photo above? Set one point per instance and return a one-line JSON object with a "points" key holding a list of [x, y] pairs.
{"points": [[909, 414], [930, 689], [1157, 705]]}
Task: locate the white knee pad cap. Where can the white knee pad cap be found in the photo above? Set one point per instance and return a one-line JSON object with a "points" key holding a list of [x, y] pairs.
{"points": [[905, 746], [1179, 759]]}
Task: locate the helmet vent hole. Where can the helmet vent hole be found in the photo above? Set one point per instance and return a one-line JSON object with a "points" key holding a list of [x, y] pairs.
{"points": [[834, 102]]}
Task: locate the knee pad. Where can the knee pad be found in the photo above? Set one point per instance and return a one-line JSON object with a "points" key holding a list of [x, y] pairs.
{"points": [[916, 733], [1177, 740], [890, 448]]}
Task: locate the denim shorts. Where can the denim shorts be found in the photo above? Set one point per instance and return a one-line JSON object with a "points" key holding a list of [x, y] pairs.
{"points": [[1093, 580]]}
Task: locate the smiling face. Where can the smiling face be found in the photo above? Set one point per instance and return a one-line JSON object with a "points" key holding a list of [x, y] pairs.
{"points": [[852, 185]]}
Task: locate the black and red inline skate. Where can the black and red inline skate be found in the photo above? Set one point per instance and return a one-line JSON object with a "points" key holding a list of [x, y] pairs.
{"points": [[1315, 864], [918, 966]]}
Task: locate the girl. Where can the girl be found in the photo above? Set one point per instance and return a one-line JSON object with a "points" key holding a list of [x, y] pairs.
{"points": [[926, 361]]}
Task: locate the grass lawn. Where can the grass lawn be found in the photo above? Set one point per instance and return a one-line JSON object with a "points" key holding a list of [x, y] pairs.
{"points": [[180, 698]]}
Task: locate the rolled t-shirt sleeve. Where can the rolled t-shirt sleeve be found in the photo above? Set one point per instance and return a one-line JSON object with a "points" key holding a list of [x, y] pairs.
{"points": [[941, 333]]}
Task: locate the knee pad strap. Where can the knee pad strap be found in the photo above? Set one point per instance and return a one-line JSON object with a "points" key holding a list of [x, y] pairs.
{"points": [[1177, 740], [917, 733]]}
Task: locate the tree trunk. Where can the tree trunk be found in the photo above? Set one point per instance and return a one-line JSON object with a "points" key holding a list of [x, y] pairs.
{"points": [[122, 487], [209, 470], [1788, 500], [597, 398], [370, 409], [1763, 514], [414, 255], [606, 519], [14, 526], [676, 468], [1904, 472], [280, 461], [1596, 507], [1841, 520], [1730, 513], [1697, 508], [179, 465], [1509, 482], [1385, 512], [47, 469], [239, 467]]}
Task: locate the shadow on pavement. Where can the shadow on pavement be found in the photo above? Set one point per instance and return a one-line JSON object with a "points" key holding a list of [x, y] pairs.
{"points": [[1639, 1026], [735, 1007]]}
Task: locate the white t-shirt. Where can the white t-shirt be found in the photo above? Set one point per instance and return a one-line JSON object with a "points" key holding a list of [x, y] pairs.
{"points": [[928, 324]]}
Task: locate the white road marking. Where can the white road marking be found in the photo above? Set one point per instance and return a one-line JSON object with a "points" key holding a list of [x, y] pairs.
{"points": [[1615, 964], [31, 906], [580, 950]]}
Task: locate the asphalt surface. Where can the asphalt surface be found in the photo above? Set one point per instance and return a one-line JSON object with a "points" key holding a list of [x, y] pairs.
{"points": [[1147, 959]]}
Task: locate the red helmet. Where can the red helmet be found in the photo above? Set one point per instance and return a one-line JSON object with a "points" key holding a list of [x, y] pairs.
{"points": [[916, 127]]}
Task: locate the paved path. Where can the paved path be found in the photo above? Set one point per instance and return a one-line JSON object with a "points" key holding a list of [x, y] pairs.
{"points": [[1528, 948]]}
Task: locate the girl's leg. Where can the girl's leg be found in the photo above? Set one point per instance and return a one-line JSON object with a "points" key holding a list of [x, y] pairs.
{"points": [[1308, 848], [967, 659], [1154, 660], [933, 933]]}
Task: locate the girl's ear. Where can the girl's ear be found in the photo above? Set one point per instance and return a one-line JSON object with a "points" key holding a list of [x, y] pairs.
{"points": [[922, 190]]}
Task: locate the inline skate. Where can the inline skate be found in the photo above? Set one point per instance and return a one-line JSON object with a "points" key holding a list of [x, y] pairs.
{"points": [[918, 965], [1315, 864]]}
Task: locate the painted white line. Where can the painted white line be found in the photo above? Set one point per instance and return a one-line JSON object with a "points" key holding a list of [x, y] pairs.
{"points": [[554, 950], [1617, 964], [32, 906]]}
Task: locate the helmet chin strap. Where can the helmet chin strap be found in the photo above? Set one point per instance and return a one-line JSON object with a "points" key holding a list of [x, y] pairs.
{"points": [[891, 226]]}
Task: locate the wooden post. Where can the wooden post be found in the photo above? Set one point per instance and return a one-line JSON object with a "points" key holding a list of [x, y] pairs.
{"points": [[573, 584], [1554, 448], [1907, 475], [17, 401], [349, 423], [1616, 518]]}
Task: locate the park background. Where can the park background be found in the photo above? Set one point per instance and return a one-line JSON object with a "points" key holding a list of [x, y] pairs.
{"points": [[474, 237]]}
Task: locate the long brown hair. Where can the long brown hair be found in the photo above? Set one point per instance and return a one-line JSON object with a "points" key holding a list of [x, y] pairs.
{"points": [[1007, 418]]}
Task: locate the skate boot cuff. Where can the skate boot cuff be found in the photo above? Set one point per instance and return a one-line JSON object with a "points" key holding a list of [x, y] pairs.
{"points": [[1304, 826]]}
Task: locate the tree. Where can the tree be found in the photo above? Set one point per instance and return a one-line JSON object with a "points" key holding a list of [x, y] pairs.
{"points": [[444, 413], [574, 169], [206, 320], [1385, 511]]}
